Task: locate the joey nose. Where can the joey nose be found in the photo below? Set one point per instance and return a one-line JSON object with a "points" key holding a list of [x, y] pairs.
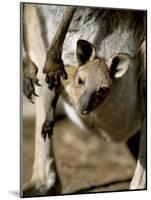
{"points": [[83, 110], [85, 104]]}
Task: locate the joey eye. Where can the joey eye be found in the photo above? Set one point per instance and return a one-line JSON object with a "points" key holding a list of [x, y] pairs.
{"points": [[80, 81], [103, 91]]}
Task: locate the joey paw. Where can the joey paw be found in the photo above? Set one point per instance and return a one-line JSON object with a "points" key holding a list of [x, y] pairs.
{"points": [[47, 129]]}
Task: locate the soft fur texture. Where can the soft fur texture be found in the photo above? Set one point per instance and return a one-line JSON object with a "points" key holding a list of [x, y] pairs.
{"points": [[122, 113]]}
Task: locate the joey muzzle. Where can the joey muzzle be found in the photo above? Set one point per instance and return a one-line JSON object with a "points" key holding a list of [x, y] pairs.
{"points": [[89, 101]]}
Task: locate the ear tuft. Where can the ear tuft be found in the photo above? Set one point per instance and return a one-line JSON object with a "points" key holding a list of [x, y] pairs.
{"points": [[85, 51], [118, 65]]}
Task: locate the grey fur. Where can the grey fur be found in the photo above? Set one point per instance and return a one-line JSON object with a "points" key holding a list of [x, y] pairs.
{"points": [[111, 32]]}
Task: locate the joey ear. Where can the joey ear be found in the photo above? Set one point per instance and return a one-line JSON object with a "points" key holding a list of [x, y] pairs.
{"points": [[85, 51], [118, 65]]}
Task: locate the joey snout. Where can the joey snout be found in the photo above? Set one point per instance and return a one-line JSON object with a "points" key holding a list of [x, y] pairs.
{"points": [[91, 100], [85, 103]]}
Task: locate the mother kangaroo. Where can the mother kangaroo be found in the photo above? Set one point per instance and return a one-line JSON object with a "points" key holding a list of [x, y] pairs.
{"points": [[105, 83]]}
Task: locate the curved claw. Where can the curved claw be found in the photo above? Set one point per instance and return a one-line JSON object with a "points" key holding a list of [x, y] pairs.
{"points": [[50, 81], [47, 129], [31, 100], [37, 82], [29, 89]]}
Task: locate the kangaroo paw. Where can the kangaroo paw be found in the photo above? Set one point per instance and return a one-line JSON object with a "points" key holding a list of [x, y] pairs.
{"points": [[30, 78], [54, 68]]}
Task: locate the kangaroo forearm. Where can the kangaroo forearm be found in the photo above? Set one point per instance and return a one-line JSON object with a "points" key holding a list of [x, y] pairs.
{"points": [[63, 27]]}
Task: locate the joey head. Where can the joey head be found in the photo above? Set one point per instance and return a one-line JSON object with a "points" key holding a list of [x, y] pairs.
{"points": [[94, 77]]}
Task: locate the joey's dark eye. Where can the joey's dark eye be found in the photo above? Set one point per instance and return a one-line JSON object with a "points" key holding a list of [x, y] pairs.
{"points": [[80, 81], [103, 91]]}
